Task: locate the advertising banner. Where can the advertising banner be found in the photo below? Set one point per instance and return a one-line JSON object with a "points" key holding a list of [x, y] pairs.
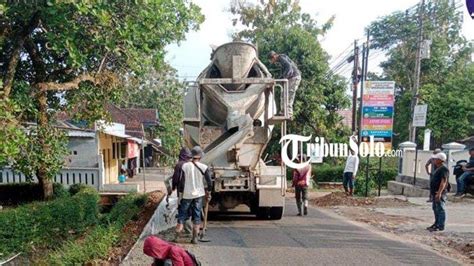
{"points": [[377, 112]]}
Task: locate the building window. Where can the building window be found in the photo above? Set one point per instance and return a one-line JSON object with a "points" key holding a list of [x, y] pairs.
{"points": [[74, 152]]}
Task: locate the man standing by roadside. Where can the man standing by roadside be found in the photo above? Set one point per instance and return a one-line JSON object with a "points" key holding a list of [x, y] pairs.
{"points": [[430, 168], [301, 179], [177, 180], [197, 184], [350, 172], [184, 157], [291, 72], [438, 190]]}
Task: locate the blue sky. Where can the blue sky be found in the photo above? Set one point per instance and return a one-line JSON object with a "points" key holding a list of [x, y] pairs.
{"points": [[192, 55]]}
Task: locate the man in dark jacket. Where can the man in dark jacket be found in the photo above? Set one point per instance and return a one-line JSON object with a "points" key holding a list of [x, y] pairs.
{"points": [[177, 180], [439, 189], [430, 168], [184, 157], [291, 72]]}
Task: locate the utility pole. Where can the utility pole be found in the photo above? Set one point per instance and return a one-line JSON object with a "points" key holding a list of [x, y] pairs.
{"points": [[365, 62], [414, 99], [355, 82]]}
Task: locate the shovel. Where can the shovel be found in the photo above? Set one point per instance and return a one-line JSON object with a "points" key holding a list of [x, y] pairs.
{"points": [[202, 235]]}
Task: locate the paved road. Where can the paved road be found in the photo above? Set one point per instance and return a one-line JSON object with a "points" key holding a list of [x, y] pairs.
{"points": [[318, 239]]}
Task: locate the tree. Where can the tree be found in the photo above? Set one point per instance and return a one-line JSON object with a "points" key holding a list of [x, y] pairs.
{"points": [[446, 73], [63, 55], [161, 90], [283, 27]]}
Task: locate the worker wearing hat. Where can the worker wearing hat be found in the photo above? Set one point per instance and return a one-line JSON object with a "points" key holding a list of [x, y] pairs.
{"points": [[439, 186], [197, 184], [430, 168], [291, 72]]}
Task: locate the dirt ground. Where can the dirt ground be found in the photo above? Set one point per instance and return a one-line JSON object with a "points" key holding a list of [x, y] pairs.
{"points": [[407, 218]]}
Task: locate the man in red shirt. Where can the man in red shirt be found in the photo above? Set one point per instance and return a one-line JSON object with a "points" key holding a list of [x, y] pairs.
{"points": [[301, 179], [165, 253]]}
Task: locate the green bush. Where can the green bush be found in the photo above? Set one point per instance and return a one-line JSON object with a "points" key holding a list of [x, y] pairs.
{"points": [[126, 209], [327, 173], [98, 242], [95, 245], [59, 191], [359, 188], [385, 176], [73, 189], [19, 193], [45, 224]]}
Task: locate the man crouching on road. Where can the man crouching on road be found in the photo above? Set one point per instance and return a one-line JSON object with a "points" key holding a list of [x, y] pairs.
{"points": [[439, 189], [195, 174]]}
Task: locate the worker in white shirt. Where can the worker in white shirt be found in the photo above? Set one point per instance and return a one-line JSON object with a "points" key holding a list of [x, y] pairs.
{"points": [[350, 172]]}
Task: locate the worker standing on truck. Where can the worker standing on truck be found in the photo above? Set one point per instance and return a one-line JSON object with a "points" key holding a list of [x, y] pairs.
{"points": [[301, 179], [291, 72], [197, 184]]}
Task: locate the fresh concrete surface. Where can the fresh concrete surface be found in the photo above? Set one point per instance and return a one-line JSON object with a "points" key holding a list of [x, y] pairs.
{"points": [[317, 239]]}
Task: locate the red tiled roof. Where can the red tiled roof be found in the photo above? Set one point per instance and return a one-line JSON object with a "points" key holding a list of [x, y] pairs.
{"points": [[143, 115], [133, 118]]}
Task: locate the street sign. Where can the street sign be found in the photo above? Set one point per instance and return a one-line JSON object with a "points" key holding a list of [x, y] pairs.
{"points": [[377, 112], [419, 115]]}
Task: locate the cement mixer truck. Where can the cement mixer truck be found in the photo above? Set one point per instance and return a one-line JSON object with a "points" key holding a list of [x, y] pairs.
{"points": [[230, 111]]}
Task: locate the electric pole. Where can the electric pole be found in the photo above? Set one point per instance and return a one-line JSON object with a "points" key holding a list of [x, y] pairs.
{"points": [[365, 64], [414, 99], [355, 82]]}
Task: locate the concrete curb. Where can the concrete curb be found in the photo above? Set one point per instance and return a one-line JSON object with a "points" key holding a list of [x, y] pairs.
{"points": [[162, 219]]}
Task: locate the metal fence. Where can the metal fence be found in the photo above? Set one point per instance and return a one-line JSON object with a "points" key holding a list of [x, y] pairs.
{"points": [[66, 177]]}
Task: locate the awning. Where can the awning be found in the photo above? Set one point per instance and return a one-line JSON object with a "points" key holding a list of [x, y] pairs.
{"points": [[117, 134], [137, 140]]}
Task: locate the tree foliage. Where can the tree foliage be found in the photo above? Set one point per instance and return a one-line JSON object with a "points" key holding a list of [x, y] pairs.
{"points": [[445, 77], [72, 56], [161, 90], [281, 26]]}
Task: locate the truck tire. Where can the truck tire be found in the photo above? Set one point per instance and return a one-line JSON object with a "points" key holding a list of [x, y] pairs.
{"points": [[276, 213]]}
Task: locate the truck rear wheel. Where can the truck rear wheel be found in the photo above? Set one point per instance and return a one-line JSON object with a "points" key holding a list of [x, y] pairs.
{"points": [[276, 213]]}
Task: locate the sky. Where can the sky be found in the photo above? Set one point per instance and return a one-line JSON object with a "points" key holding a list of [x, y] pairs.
{"points": [[191, 56]]}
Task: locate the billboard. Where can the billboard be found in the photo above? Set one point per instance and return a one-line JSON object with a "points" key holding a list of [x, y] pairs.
{"points": [[377, 112]]}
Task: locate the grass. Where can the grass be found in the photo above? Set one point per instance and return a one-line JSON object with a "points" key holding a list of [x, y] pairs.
{"points": [[42, 225], [97, 243], [68, 230]]}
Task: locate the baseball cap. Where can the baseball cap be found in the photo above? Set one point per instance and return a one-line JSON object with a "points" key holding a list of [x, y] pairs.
{"points": [[437, 150], [197, 152], [440, 156]]}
